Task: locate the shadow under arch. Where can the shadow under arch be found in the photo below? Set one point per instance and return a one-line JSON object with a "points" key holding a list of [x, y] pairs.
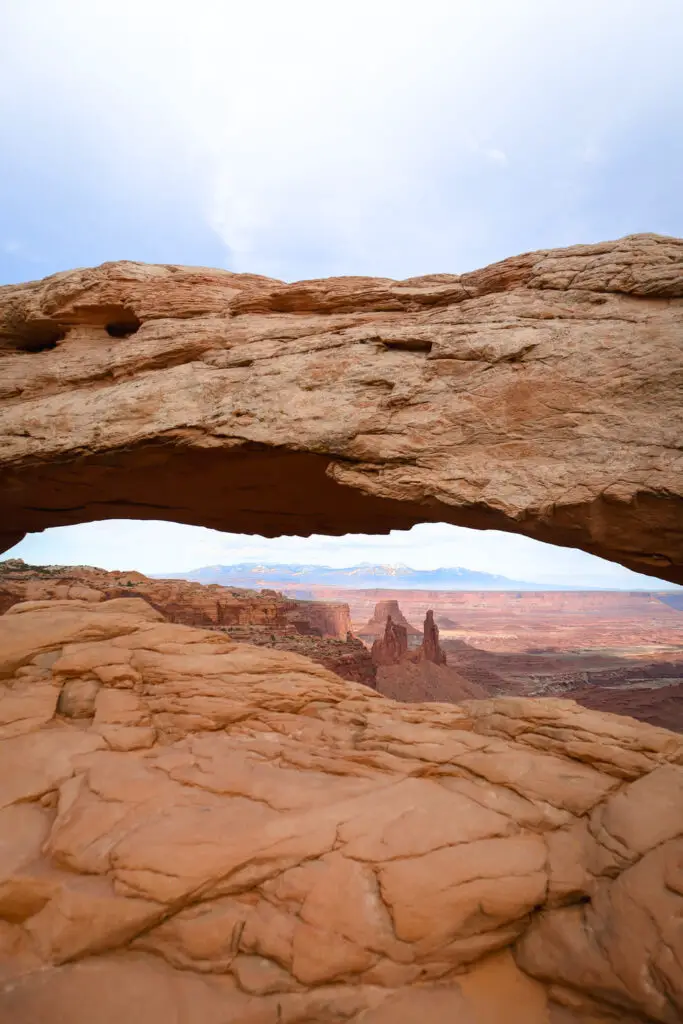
{"points": [[255, 489]]}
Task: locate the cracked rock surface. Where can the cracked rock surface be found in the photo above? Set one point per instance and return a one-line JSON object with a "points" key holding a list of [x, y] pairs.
{"points": [[539, 395], [194, 831]]}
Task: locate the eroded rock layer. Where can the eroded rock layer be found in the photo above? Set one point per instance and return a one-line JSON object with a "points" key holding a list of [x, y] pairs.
{"points": [[196, 832], [384, 611], [348, 657], [539, 395], [192, 604]]}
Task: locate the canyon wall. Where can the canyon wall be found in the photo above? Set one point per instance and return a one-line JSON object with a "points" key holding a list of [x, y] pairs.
{"points": [[508, 603], [348, 658], [193, 604], [317, 630], [539, 395]]}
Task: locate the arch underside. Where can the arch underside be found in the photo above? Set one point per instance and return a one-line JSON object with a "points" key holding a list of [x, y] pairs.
{"points": [[275, 493], [541, 396]]}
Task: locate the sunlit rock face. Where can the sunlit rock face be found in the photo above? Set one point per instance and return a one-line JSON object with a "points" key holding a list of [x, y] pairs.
{"points": [[195, 830], [539, 395], [317, 629], [391, 648]]}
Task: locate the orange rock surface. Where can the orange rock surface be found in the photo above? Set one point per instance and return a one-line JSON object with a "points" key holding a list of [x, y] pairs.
{"points": [[195, 831], [539, 395], [430, 649], [348, 658]]}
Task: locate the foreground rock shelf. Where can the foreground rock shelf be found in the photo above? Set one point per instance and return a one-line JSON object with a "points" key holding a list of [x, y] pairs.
{"points": [[199, 832], [317, 629], [539, 395]]}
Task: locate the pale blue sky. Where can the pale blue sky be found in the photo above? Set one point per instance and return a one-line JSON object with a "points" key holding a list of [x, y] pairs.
{"points": [[306, 139]]}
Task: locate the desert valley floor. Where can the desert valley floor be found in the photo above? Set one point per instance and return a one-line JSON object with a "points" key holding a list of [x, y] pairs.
{"points": [[619, 651]]}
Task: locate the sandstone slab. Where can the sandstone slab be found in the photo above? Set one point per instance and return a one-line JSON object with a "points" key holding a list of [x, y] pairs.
{"points": [[233, 833]]}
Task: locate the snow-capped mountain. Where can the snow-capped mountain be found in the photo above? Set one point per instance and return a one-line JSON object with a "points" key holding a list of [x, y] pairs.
{"points": [[363, 576]]}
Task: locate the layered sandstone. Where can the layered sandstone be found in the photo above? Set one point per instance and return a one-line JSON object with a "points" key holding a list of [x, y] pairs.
{"points": [[392, 647], [539, 395], [193, 604], [383, 612], [316, 629], [196, 831], [458, 609]]}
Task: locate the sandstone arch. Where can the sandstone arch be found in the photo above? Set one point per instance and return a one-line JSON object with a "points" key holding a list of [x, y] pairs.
{"points": [[540, 395]]}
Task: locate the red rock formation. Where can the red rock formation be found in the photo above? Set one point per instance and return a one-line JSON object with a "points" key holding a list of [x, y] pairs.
{"points": [[321, 618], [393, 646], [430, 649], [201, 830], [468, 606], [424, 681], [385, 610], [421, 674], [318, 630]]}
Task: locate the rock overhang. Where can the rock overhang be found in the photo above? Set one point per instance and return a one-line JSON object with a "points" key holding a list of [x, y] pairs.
{"points": [[540, 395]]}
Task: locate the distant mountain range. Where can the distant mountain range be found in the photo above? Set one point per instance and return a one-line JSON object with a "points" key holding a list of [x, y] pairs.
{"points": [[365, 576]]}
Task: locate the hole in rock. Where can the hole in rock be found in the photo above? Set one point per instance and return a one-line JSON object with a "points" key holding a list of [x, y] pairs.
{"points": [[42, 346], [40, 337], [408, 344], [125, 324]]}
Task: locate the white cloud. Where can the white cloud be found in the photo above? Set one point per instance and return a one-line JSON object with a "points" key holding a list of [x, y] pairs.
{"points": [[342, 137], [497, 156]]}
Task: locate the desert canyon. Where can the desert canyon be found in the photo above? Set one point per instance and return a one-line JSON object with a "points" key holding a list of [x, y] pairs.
{"points": [[213, 807]]}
